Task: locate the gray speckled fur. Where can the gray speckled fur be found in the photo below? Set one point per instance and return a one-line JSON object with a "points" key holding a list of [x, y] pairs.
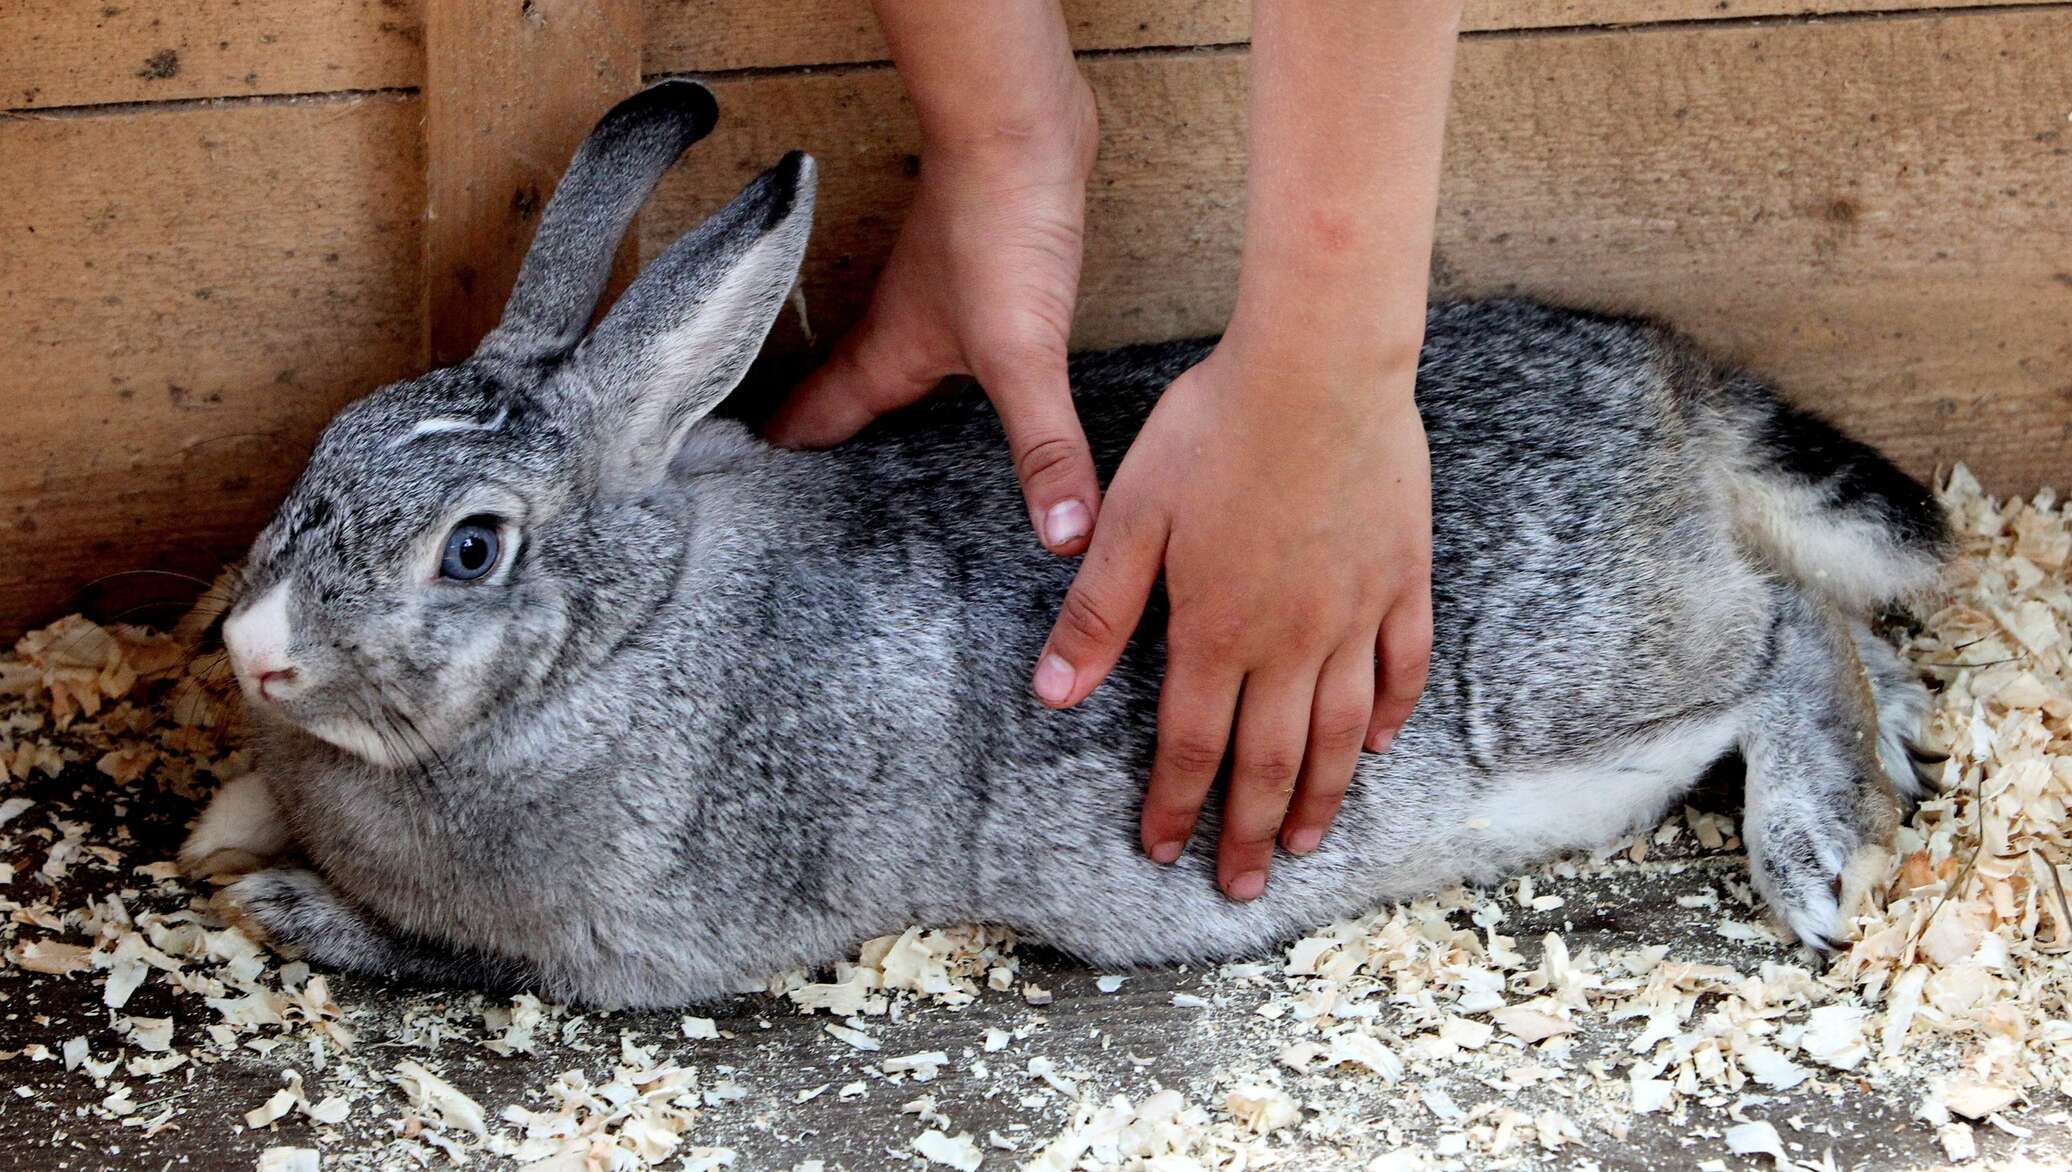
{"points": [[740, 715]]}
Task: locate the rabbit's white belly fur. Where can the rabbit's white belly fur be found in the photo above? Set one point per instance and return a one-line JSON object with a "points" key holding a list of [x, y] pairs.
{"points": [[1583, 806]]}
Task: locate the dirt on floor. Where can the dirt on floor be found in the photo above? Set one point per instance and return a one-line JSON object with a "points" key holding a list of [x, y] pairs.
{"points": [[1628, 1009]]}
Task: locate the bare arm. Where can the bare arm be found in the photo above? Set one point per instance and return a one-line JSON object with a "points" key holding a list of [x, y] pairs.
{"points": [[983, 276], [1348, 111]]}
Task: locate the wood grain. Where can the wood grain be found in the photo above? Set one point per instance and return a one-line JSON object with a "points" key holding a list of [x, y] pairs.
{"points": [[89, 52], [694, 36], [1872, 212], [183, 316], [511, 89], [1491, 15], [80, 52]]}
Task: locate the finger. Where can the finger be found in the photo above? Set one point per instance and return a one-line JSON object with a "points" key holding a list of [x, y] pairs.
{"points": [[1195, 706], [867, 376], [1101, 610], [1405, 658], [1030, 391], [1272, 732], [1338, 718]]}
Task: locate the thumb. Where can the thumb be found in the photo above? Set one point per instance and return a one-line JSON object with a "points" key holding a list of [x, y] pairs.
{"points": [[864, 378], [1050, 451], [1100, 611]]}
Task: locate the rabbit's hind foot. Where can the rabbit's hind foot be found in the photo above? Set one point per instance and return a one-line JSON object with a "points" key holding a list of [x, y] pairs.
{"points": [[1821, 808], [299, 911], [1902, 701]]}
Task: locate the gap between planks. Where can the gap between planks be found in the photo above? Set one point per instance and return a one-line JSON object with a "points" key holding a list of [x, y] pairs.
{"points": [[179, 105]]}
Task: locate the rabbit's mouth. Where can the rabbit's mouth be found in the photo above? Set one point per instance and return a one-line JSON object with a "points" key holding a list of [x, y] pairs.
{"points": [[386, 745], [286, 681]]}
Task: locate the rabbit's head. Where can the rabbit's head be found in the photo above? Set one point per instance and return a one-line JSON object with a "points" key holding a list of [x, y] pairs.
{"points": [[458, 536]]}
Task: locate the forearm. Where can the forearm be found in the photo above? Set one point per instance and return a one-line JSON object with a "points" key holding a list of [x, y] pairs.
{"points": [[985, 75], [1348, 113]]}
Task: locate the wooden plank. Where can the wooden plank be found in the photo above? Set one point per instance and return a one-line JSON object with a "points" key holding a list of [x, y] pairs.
{"points": [[701, 36], [76, 52], [1871, 211], [1494, 15], [183, 316], [706, 35], [90, 52], [510, 90]]}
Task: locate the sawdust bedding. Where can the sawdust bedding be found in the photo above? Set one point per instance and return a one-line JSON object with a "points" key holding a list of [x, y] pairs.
{"points": [[1629, 1008]]}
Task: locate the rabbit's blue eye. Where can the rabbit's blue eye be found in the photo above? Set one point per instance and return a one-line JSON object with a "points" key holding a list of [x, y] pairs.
{"points": [[471, 549]]}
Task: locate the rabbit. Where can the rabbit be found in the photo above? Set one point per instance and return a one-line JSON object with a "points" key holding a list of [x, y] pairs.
{"points": [[560, 683]]}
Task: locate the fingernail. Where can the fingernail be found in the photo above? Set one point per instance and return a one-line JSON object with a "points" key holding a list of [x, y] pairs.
{"points": [[1053, 679], [1305, 840], [1380, 740], [1166, 852], [1246, 887], [1067, 521]]}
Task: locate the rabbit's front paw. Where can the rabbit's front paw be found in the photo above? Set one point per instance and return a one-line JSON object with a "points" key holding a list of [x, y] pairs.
{"points": [[297, 910], [239, 831]]}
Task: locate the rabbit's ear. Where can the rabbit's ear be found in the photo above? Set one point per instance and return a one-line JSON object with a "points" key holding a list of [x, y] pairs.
{"points": [[612, 174], [683, 335]]}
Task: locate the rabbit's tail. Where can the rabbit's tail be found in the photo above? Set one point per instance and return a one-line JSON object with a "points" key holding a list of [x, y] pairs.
{"points": [[1827, 510]]}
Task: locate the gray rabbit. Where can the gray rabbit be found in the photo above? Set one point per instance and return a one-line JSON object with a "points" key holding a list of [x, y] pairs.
{"points": [[561, 685]]}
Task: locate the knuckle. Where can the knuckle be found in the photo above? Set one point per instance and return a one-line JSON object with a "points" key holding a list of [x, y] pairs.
{"points": [[1410, 649], [1402, 690], [1190, 754], [1410, 631], [1341, 726], [1273, 769], [1006, 354], [1049, 459], [1170, 813], [1321, 792], [1036, 343], [1082, 619], [1392, 711], [1317, 810], [1209, 632], [1247, 840]]}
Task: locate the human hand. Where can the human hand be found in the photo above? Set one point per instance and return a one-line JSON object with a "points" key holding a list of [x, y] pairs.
{"points": [[982, 282], [1290, 508]]}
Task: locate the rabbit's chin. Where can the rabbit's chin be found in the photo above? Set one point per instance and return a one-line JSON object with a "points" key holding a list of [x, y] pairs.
{"points": [[362, 740]]}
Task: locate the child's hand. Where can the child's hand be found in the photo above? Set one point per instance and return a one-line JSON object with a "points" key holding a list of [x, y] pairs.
{"points": [[1291, 514], [981, 282]]}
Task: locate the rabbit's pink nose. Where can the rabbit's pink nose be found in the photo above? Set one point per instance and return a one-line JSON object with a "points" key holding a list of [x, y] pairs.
{"points": [[257, 638]]}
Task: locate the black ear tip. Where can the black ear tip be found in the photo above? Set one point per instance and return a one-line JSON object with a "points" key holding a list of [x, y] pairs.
{"points": [[793, 173], [692, 99], [794, 167], [678, 102]]}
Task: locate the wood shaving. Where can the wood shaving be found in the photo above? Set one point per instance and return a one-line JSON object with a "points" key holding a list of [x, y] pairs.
{"points": [[1466, 1029]]}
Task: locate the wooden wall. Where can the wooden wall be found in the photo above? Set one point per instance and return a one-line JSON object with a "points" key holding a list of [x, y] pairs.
{"points": [[213, 230]]}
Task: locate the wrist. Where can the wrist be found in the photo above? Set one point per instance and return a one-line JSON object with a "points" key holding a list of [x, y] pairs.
{"points": [[1302, 352], [1052, 128]]}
